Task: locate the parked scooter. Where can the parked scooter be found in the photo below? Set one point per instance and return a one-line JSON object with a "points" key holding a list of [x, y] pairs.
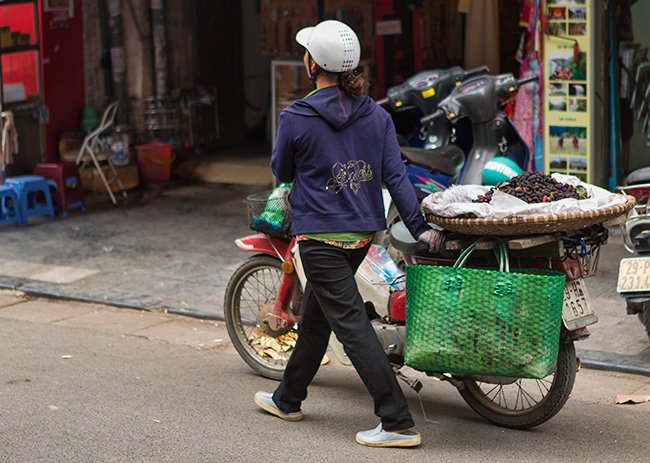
{"points": [[634, 272], [419, 96], [493, 134], [445, 148], [431, 152], [477, 100], [262, 311]]}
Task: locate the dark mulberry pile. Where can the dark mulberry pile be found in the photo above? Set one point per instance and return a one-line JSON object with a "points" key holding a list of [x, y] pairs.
{"points": [[535, 187]]}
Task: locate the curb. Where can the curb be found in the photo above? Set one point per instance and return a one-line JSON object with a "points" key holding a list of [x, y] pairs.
{"points": [[116, 300], [598, 360]]}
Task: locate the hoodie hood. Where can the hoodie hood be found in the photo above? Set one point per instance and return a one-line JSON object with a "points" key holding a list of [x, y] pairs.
{"points": [[333, 105]]}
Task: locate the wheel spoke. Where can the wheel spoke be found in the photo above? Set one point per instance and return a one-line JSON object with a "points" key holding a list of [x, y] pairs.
{"points": [[492, 390], [529, 398], [519, 396], [505, 400], [542, 387]]}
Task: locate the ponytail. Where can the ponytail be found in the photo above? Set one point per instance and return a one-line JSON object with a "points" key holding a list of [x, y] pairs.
{"points": [[353, 83]]}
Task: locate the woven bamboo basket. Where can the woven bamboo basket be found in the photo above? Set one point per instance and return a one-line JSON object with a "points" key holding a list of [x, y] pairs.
{"points": [[534, 224]]}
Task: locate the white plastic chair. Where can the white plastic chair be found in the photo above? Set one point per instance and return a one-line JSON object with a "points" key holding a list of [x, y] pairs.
{"points": [[95, 151]]}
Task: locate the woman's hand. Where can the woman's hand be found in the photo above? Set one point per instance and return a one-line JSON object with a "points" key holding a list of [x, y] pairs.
{"points": [[432, 240]]}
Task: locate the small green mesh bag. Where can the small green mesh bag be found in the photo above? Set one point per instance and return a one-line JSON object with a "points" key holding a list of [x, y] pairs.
{"points": [[483, 322]]}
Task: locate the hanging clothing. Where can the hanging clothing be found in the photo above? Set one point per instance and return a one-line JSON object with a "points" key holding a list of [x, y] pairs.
{"points": [[9, 145], [524, 118], [482, 35]]}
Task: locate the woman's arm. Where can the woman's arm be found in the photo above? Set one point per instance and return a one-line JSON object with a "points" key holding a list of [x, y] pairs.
{"points": [[396, 180], [282, 160]]}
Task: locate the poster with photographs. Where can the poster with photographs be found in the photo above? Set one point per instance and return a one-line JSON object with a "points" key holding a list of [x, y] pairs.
{"points": [[567, 91]]}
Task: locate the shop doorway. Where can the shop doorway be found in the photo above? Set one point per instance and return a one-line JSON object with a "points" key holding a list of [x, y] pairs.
{"points": [[218, 63]]}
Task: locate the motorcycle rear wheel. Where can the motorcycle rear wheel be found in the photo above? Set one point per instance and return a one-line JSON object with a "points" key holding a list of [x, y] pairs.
{"points": [[255, 283], [524, 403]]}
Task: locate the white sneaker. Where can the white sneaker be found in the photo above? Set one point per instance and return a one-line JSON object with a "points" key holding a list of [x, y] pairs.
{"points": [[378, 438], [264, 400]]}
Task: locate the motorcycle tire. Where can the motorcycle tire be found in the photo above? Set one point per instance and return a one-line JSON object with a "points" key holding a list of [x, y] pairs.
{"points": [[491, 401], [244, 332], [644, 317]]}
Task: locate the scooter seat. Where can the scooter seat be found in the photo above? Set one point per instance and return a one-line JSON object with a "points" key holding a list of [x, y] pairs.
{"points": [[448, 159], [639, 176]]}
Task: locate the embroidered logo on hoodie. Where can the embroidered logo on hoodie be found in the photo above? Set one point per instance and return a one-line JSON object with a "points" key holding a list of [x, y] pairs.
{"points": [[350, 174]]}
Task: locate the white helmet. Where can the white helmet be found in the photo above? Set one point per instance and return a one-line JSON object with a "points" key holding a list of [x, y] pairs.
{"points": [[333, 45]]}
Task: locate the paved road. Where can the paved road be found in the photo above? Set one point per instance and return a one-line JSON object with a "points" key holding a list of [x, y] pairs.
{"points": [[85, 383]]}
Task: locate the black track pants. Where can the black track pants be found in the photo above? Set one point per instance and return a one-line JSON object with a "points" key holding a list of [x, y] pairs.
{"points": [[331, 301]]}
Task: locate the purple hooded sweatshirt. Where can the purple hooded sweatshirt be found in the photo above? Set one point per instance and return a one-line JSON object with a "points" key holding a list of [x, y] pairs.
{"points": [[337, 150]]}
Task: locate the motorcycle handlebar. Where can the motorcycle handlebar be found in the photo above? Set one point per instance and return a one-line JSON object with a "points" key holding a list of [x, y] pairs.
{"points": [[382, 102], [527, 80], [434, 115], [477, 71]]}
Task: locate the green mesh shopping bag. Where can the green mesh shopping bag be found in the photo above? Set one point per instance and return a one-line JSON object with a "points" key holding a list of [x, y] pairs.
{"points": [[473, 321]]}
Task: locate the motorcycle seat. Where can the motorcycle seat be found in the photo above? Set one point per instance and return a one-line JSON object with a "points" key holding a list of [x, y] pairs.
{"points": [[448, 159], [639, 176]]}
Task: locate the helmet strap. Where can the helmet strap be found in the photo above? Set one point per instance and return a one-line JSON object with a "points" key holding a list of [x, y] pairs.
{"points": [[314, 75]]}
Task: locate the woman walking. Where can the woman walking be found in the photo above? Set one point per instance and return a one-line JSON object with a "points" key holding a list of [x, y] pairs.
{"points": [[337, 147]]}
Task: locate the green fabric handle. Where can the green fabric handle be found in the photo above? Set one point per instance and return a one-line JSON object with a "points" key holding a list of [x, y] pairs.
{"points": [[501, 255]]}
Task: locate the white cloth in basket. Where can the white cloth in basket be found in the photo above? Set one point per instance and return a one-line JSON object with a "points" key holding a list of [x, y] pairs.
{"points": [[457, 202]]}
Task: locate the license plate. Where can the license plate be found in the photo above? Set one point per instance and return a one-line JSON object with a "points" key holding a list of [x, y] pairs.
{"points": [[577, 311], [634, 275]]}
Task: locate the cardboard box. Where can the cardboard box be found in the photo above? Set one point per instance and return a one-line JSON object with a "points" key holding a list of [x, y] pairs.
{"points": [[92, 182]]}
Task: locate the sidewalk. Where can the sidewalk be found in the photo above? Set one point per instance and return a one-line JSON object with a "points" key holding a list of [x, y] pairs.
{"points": [[171, 250], [168, 328], [168, 249]]}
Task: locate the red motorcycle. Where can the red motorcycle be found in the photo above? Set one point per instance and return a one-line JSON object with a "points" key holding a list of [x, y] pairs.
{"points": [[262, 305]]}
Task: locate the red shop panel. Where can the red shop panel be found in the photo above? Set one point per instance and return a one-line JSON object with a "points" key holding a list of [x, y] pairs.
{"points": [[21, 69]]}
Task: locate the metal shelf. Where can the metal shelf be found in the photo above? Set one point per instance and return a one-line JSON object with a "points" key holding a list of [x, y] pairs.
{"points": [[18, 49], [25, 106]]}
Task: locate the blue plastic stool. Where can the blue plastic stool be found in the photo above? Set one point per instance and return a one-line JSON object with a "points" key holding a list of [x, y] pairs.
{"points": [[28, 188], [9, 207]]}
